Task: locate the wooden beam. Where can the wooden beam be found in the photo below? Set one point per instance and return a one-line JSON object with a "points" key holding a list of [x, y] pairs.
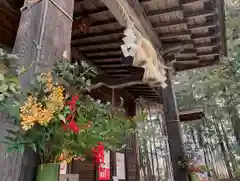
{"points": [[189, 51], [107, 60], [78, 14], [116, 71], [103, 22], [137, 14], [187, 62], [205, 36], [102, 50], [174, 47], [183, 2], [205, 25], [221, 14], [187, 58], [214, 53], [171, 23], [94, 43], [97, 34], [159, 12], [113, 66], [172, 35], [117, 83], [209, 44], [200, 14], [103, 54], [189, 2], [173, 130]]}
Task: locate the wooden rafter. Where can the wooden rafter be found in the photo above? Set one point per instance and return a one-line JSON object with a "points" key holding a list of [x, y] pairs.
{"points": [[205, 25], [94, 43], [101, 50], [97, 34], [200, 14], [139, 19], [172, 35], [205, 36], [164, 11], [209, 44], [189, 2]]}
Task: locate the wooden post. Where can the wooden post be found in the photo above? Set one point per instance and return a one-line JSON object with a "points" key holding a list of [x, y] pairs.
{"points": [[173, 130], [44, 34], [131, 152]]}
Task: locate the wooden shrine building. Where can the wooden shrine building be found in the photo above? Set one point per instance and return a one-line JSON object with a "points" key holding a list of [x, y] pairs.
{"points": [[136, 46]]}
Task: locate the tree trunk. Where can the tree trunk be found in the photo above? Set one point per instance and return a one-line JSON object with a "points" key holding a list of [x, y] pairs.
{"points": [[44, 34], [142, 163], [193, 136], [156, 152], [152, 159], [223, 150], [228, 147], [148, 162], [233, 115], [203, 145]]}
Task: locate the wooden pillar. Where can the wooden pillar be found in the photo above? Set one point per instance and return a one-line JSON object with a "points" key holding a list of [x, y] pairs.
{"points": [[44, 34], [173, 130], [131, 152]]}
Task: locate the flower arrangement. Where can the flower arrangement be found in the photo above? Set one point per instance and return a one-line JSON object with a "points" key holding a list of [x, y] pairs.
{"points": [[58, 120], [189, 163]]}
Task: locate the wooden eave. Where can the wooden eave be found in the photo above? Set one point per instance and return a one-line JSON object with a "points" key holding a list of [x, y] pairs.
{"points": [[191, 31], [191, 115], [188, 29]]}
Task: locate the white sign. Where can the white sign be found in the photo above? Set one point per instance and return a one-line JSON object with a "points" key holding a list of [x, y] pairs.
{"points": [[200, 161], [115, 178], [120, 161], [63, 167], [200, 158], [104, 168]]}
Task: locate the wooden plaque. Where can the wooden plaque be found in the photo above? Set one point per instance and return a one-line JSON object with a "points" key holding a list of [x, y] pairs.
{"points": [[69, 177]]}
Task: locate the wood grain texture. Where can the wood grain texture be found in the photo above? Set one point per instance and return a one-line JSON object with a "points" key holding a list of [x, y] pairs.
{"points": [[46, 26], [85, 169], [173, 131]]}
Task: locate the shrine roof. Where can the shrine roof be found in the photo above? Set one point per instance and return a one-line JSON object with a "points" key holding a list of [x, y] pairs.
{"points": [[191, 34]]}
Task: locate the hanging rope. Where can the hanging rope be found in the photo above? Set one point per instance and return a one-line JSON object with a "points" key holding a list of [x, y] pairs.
{"points": [[28, 4]]}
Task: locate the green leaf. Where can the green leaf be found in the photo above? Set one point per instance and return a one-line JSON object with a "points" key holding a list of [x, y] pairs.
{"points": [[9, 138], [11, 131], [88, 82], [12, 87], [10, 149], [3, 88], [62, 118], [21, 148], [1, 97], [33, 146], [1, 77]]}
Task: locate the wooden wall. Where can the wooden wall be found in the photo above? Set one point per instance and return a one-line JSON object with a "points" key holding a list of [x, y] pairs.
{"points": [[85, 169]]}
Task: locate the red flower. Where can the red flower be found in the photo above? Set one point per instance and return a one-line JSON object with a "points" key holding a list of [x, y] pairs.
{"points": [[65, 127], [72, 103], [194, 169], [89, 124], [69, 117], [98, 153], [73, 126]]}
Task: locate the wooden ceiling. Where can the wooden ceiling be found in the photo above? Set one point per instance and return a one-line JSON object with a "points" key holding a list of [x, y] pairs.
{"points": [[191, 32]]}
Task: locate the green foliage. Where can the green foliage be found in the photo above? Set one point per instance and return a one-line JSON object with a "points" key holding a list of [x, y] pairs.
{"points": [[76, 128], [216, 89]]}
